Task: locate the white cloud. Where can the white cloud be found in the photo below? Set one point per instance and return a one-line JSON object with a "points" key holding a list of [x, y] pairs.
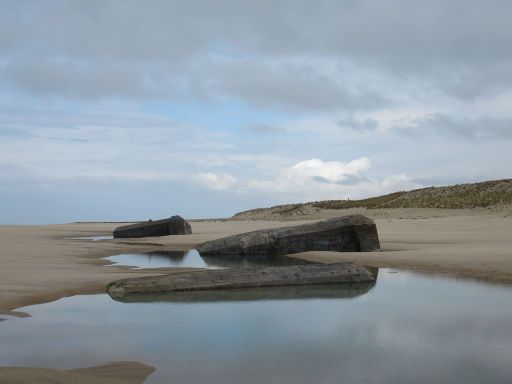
{"points": [[100, 146], [217, 182], [399, 182], [328, 171], [316, 179], [304, 174]]}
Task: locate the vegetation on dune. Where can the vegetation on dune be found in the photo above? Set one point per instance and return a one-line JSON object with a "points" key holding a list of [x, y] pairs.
{"points": [[477, 195], [285, 209], [282, 210], [496, 193], [372, 202]]}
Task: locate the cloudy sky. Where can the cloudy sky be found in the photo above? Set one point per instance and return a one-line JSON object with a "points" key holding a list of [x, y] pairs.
{"points": [[121, 110]]}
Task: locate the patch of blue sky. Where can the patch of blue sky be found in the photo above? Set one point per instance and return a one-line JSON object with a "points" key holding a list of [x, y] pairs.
{"points": [[229, 116]]}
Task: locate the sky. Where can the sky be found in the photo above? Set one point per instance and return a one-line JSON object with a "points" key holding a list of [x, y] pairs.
{"points": [[130, 110]]}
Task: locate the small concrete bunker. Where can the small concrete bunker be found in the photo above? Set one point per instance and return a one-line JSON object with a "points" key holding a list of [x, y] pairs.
{"points": [[175, 225]]}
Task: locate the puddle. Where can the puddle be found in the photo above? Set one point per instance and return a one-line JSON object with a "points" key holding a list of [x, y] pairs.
{"points": [[192, 259], [407, 328]]}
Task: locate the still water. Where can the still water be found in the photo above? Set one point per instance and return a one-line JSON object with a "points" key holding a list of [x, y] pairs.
{"points": [[407, 328], [192, 259]]}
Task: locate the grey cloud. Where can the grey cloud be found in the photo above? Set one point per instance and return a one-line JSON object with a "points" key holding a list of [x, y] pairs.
{"points": [[468, 81], [265, 128], [353, 180], [65, 80], [320, 179], [160, 48], [363, 125], [347, 180], [439, 124], [289, 85], [395, 30]]}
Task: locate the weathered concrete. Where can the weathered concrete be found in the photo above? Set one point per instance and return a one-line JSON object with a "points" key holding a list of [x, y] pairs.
{"points": [[175, 225], [242, 278], [322, 291], [354, 233]]}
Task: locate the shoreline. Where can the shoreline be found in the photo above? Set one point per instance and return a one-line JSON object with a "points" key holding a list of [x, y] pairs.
{"points": [[43, 263]]}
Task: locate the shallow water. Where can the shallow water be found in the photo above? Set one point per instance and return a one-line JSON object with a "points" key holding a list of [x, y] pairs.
{"points": [[406, 329], [192, 259]]}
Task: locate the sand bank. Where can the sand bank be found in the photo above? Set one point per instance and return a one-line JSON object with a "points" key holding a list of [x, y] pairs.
{"points": [[43, 263]]}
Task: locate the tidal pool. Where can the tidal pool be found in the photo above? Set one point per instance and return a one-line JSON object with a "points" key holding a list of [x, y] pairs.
{"points": [[407, 328], [192, 259]]}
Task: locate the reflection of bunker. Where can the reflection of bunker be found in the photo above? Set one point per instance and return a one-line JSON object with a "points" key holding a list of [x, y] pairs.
{"points": [[328, 291], [176, 256], [192, 259], [231, 261], [252, 261]]}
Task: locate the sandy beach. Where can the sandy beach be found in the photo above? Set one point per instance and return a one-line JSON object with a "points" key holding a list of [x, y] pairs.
{"points": [[43, 263]]}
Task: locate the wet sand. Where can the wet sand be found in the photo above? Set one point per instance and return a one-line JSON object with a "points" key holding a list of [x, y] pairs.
{"points": [[43, 263]]}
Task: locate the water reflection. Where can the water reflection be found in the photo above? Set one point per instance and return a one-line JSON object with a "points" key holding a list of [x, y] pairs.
{"points": [[250, 261], [407, 329], [174, 256], [192, 259], [160, 259]]}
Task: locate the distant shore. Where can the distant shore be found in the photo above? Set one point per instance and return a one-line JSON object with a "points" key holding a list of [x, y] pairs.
{"points": [[43, 263]]}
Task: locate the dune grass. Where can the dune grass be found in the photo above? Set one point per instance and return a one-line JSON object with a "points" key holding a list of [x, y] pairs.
{"points": [[460, 196]]}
